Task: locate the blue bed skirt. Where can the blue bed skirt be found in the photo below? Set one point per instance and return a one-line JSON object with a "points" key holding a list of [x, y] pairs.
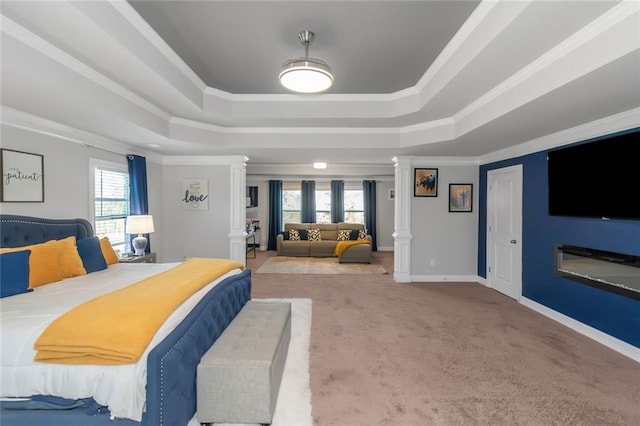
{"points": [[171, 370]]}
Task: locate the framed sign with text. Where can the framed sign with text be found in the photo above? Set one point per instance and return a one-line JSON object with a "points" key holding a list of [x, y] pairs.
{"points": [[22, 177], [195, 194]]}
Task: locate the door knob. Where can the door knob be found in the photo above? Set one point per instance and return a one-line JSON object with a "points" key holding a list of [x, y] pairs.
{"points": [[513, 241]]}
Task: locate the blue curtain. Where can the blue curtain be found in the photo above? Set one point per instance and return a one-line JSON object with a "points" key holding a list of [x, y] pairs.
{"points": [[275, 212], [308, 208], [369, 197], [337, 201], [138, 199]]}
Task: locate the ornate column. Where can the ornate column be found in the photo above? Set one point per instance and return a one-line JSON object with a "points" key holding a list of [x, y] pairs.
{"points": [[402, 219], [238, 208]]}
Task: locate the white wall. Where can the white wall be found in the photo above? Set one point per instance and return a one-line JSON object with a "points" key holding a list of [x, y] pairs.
{"points": [[66, 173], [66, 178], [195, 233], [449, 239], [385, 214]]}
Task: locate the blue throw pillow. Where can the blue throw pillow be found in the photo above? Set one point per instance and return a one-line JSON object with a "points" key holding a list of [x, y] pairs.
{"points": [[303, 234], [285, 235], [14, 273], [91, 254], [354, 234]]}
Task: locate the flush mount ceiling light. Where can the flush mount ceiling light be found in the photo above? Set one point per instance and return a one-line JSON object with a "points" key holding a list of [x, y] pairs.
{"points": [[306, 75], [319, 165]]}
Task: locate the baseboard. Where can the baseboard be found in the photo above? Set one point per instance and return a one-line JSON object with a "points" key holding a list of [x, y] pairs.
{"points": [[385, 248], [611, 342], [444, 278]]}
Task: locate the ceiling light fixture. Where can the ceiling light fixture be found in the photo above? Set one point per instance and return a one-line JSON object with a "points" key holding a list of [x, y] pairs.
{"points": [[306, 75], [319, 165]]}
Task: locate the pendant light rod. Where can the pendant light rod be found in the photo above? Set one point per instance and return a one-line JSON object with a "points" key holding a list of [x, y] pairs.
{"points": [[306, 38]]}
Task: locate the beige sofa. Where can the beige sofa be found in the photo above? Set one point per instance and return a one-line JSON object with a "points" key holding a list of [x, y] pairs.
{"points": [[360, 253]]}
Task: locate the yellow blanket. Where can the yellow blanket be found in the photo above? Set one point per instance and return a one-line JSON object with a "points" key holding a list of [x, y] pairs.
{"points": [[117, 327], [343, 245]]}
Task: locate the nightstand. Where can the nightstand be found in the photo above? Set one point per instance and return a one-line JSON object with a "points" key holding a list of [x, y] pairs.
{"points": [[147, 258]]}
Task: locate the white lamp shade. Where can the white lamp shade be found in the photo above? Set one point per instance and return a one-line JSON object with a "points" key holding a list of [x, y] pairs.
{"points": [[139, 224]]}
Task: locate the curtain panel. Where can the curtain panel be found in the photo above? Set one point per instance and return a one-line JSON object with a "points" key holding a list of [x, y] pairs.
{"points": [[337, 201], [138, 196], [308, 196], [275, 213], [369, 198]]}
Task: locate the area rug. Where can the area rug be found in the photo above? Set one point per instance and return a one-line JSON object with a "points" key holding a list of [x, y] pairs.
{"points": [[293, 407], [317, 265]]}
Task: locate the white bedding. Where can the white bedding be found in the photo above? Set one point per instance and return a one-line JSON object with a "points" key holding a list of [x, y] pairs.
{"points": [[24, 317]]}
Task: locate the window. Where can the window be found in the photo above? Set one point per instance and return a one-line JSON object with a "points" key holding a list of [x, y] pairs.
{"points": [[291, 203], [353, 206], [110, 202], [323, 203]]}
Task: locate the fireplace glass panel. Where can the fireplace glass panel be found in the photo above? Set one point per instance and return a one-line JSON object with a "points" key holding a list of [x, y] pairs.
{"points": [[610, 271]]}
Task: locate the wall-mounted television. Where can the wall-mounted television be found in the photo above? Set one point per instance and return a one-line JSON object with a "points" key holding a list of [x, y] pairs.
{"points": [[596, 179]]}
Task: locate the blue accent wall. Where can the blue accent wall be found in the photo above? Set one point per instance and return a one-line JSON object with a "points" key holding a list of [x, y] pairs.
{"points": [[611, 313]]}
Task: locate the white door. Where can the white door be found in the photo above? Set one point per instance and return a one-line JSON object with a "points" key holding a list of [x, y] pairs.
{"points": [[504, 230]]}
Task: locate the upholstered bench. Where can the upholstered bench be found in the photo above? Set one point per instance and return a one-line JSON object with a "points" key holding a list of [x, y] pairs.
{"points": [[238, 379]]}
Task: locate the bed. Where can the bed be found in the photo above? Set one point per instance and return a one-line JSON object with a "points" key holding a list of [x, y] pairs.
{"points": [[169, 363]]}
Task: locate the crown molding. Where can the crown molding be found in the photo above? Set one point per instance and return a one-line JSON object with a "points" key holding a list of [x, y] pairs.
{"points": [[602, 127], [18, 32], [444, 161], [204, 160], [550, 70], [21, 120]]}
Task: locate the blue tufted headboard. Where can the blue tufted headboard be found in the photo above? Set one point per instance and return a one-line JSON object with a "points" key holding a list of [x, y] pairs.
{"points": [[17, 231]]}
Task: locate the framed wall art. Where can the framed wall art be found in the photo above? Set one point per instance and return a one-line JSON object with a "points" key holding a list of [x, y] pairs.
{"points": [[195, 194], [22, 177], [391, 195], [425, 182], [460, 197]]}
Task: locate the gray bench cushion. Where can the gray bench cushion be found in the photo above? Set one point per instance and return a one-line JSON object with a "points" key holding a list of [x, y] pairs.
{"points": [[239, 377]]}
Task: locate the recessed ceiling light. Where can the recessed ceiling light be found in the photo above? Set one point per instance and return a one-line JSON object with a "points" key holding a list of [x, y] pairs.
{"points": [[319, 165], [153, 145]]}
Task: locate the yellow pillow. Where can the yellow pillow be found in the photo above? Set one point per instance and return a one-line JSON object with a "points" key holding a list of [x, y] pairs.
{"points": [[44, 264], [109, 254], [70, 260]]}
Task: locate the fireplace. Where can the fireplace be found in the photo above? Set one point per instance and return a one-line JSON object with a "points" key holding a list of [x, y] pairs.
{"points": [[616, 272]]}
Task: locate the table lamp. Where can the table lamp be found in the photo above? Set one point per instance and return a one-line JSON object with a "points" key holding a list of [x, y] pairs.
{"points": [[139, 224]]}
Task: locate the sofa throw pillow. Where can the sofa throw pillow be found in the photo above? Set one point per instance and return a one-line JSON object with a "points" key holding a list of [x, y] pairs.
{"points": [[354, 235], [294, 235], [285, 236], [362, 234], [314, 235], [344, 234]]}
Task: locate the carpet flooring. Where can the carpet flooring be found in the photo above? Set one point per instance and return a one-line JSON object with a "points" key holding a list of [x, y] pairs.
{"points": [[404, 354], [317, 265], [293, 407]]}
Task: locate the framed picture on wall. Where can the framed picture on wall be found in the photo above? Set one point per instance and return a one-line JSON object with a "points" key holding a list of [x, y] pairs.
{"points": [[425, 182], [195, 194], [22, 177], [460, 197]]}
